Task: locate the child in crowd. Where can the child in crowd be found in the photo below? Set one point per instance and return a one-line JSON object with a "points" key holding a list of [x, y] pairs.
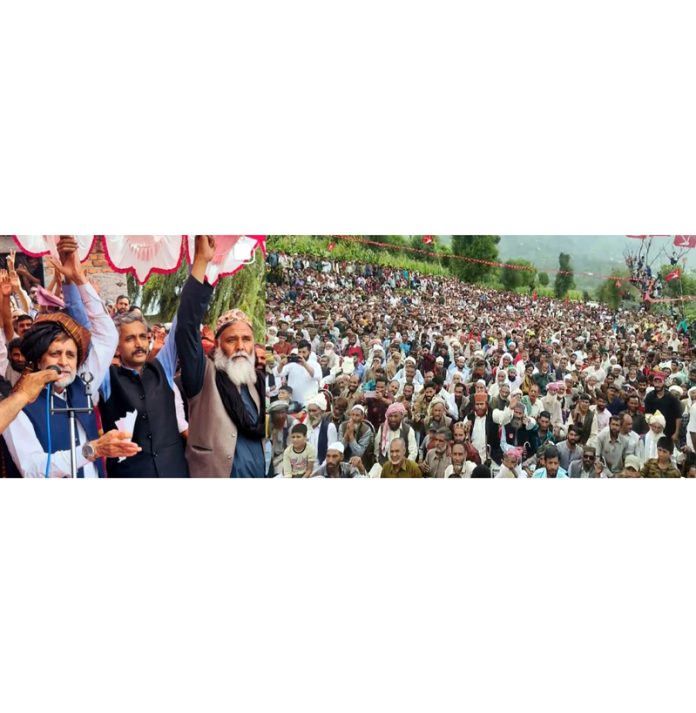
{"points": [[300, 456]]}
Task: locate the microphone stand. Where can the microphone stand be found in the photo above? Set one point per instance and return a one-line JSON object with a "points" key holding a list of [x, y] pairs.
{"points": [[86, 379]]}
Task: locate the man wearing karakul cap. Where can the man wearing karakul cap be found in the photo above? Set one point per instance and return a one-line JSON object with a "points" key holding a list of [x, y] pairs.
{"points": [[226, 393], [58, 340], [335, 467]]}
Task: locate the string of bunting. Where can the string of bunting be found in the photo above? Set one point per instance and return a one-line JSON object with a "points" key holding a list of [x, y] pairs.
{"points": [[429, 239]]}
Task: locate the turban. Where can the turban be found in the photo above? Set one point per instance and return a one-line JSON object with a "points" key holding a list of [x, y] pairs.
{"points": [[397, 407], [317, 400], [656, 417], [515, 453], [46, 329], [229, 318]]}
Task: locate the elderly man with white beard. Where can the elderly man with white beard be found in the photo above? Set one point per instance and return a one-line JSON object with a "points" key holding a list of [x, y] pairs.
{"points": [[226, 394], [321, 431], [40, 445]]}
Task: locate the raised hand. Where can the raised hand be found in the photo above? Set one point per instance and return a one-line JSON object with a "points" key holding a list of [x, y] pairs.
{"points": [[66, 246], [205, 252], [70, 267], [5, 284], [205, 248]]}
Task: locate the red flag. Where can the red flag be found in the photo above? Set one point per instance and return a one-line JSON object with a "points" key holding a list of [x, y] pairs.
{"points": [[428, 239], [685, 241], [330, 246], [535, 295], [672, 275]]}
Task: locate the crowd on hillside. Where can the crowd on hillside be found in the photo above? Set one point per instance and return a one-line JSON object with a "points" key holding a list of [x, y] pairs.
{"points": [[150, 401], [380, 372]]}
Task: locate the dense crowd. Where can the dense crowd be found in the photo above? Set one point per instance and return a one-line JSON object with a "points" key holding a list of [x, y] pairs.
{"points": [[161, 400], [381, 372]]}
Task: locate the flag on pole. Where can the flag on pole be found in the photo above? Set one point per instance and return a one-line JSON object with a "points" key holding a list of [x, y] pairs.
{"points": [[427, 239], [685, 241], [672, 275]]}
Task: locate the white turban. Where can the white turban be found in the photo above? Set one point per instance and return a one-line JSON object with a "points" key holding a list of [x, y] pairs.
{"points": [[317, 400], [338, 446], [656, 417]]}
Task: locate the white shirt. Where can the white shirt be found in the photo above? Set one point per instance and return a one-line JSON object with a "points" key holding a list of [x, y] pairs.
{"points": [[467, 469], [691, 427], [25, 448], [478, 437], [302, 384]]}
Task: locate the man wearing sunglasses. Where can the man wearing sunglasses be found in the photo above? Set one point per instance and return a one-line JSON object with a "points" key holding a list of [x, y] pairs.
{"points": [[590, 466]]}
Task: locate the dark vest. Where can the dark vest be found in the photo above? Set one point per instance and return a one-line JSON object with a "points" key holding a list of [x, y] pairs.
{"points": [[156, 430], [323, 442], [60, 424], [586, 428]]}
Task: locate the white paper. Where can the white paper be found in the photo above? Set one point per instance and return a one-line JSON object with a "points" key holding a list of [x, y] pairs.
{"points": [[126, 425]]}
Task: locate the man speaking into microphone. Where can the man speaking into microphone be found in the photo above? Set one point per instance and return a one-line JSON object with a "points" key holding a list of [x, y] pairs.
{"points": [[39, 441]]}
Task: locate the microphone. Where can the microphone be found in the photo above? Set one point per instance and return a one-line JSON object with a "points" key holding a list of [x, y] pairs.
{"points": [[55, 368]]}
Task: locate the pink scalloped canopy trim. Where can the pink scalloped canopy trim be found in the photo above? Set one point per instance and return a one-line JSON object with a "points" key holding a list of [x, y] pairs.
{"points": [[150, 248]]}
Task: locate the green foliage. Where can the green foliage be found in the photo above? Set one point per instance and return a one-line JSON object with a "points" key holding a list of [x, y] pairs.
{"points": [[544, 279], [683, 285], [480, 247], [389, 256], [159, 296], [513, 279], [610, 294], [564, 282]]}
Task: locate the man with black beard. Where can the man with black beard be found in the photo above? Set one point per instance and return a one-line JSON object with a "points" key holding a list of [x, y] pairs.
{"points": [[667, 404], [334, 467], [17, 361], [226, 394]]}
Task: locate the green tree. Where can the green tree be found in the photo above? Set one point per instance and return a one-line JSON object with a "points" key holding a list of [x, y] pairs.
{"points": [[612, 293], [246, 290], [513, 279], [544, 279], [478, 247], [564, 279]]}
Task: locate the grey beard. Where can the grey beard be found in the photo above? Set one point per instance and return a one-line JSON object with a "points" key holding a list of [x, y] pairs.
{"points": [[63, 384], [239, 367]]}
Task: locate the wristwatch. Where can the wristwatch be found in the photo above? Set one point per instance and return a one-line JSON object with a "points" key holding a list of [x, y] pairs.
{"points": [[89, 452]]}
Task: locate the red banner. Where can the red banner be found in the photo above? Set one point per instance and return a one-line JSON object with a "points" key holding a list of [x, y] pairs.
{"points": [[685, 241]]}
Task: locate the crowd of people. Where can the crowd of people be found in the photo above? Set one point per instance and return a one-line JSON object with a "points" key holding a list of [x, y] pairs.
{"points": [[174, 400], [380, 372]]}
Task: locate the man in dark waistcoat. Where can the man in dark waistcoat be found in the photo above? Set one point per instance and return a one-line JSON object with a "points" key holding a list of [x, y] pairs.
{"points": [[146, 387]]}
